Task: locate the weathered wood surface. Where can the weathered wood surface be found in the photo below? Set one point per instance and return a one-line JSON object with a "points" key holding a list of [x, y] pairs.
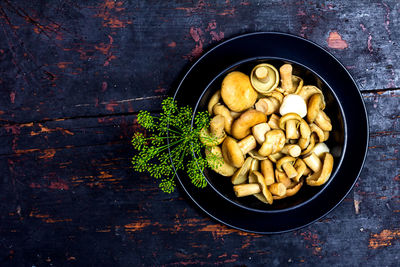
{"points": [[72, 77]]}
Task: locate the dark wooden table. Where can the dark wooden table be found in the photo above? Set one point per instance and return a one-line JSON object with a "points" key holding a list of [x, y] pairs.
{"points": [[74, 74]]}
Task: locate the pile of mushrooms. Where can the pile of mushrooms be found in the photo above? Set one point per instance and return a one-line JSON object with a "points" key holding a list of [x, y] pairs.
{"points": [[268, 133]]}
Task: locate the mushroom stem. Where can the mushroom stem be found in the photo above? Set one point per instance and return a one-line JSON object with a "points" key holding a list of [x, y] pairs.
{"points": [[267, 170], [274, 122], [281, 177], [292, 150], [220, 109], [243, 190], [313, 162], [247, 144], [289, 170], [267, 105], [277, 189], [286, 77], [291, 129], [262, 74]]}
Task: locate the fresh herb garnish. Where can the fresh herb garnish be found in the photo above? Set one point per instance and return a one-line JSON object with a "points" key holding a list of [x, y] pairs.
{"points": [[171, 129]]}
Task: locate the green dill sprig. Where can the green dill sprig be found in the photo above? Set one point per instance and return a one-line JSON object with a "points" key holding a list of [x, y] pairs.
{"points": [[171, 129]]}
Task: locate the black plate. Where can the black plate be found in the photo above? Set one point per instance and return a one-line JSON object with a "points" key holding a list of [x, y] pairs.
{"points": [[270, 45]]}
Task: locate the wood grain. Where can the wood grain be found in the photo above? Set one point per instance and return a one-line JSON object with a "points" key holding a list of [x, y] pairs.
{"points": [[73, 76]]}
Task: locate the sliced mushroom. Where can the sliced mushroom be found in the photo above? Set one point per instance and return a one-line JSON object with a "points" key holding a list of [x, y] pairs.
{"points": [[322, 176], [277, 189], [292, 150], [267, 170], [220, 109], [233, 151], [215, 135], [274, 142], [286, 164], [264, 78], [259, 132], [274, 122], [217, 162], [213, 101], [289, 122], [240, 176], [313, 162], [289, 83], [237, 92], [241, 126]]}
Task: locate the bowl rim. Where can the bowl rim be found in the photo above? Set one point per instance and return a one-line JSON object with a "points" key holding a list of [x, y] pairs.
{"points": [[230, 223], [343, 151]]}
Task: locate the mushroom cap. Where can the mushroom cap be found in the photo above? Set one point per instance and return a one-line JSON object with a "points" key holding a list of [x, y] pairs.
{"points": [[287, 117], [241, 126], [237, 92], [271, 81], [323, 121], [293, 104], [284, 160], [321, 177], [213, 156], [291, 190], [232, 153], [315, 105], [308, 90], [213, 100], [219, 109]]}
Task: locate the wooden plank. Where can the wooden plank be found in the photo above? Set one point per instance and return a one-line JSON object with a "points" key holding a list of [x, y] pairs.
{"points": [[60, 60], [68, 192]]}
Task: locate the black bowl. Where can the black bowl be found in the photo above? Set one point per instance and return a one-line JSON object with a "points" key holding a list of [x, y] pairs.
{"points": [[336, 141], [346, 109]]}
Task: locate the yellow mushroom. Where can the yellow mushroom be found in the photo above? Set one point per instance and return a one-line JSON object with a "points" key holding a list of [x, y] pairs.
{"points": [[301, 168], [292, 150], [219, 109], [215, 135], [217, 162], [234, 152], [240, 176], [277, 189], [213, 101], [274, 122], [313, 162], [241, 126], [274, 142], [237, 92], [289, 123], [289, 83], [259, 132], [267, 170], [286, 164], [249, 189], [281, 177], [264, 78], [321, 177]]}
